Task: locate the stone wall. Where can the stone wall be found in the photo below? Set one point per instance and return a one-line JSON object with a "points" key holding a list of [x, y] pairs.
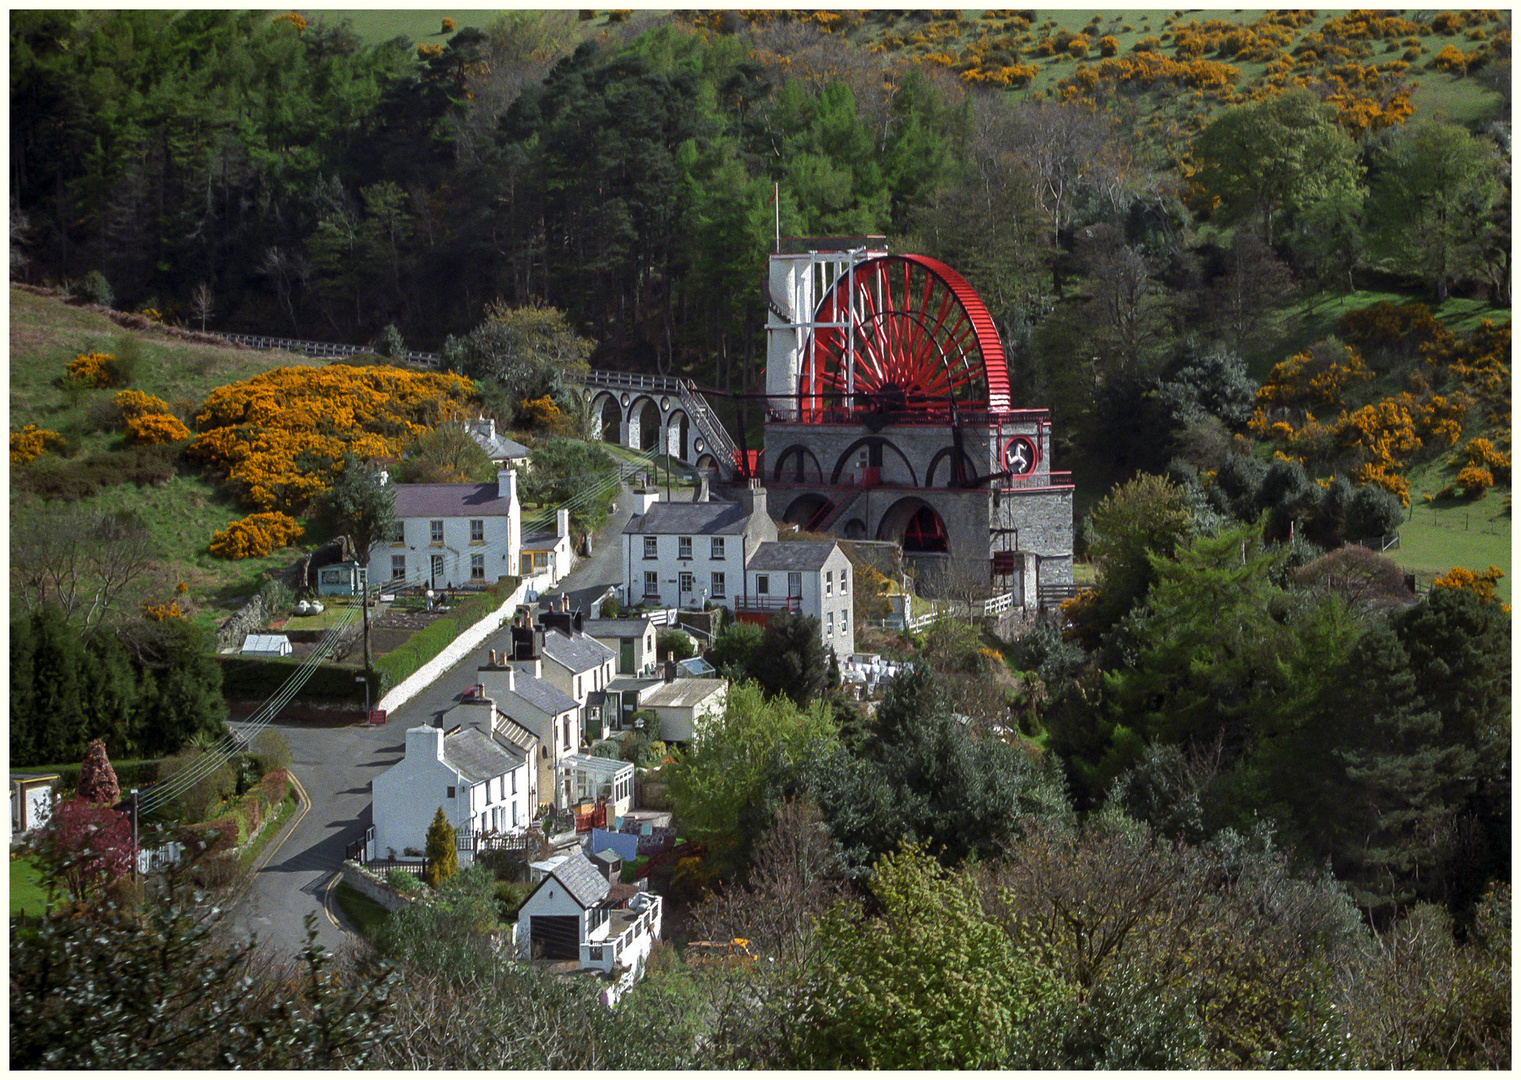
{"points": [[367, 884]]}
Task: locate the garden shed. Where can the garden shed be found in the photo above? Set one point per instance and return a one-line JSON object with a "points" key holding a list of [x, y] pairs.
{"points": [[266, 645]]}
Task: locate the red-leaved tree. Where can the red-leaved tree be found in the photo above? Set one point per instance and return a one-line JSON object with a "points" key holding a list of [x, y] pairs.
{"points": [[84, 847], [97, 780]]}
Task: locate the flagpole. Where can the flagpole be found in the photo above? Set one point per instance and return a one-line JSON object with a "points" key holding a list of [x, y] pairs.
{"points": [[776, 200]]}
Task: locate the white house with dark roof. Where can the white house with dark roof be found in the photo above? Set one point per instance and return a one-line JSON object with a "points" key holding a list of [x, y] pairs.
{"points": [[805, 577], [452, 535], [503, 452], [686, 554], [482, 782], [574, 914], [536, 705]]}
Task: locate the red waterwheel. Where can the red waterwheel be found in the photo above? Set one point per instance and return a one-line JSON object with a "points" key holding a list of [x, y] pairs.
{"points": [[912, 336]]}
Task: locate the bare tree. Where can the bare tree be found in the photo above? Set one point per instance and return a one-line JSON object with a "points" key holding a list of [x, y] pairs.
{"points": [[202, 304], [82, 562]]}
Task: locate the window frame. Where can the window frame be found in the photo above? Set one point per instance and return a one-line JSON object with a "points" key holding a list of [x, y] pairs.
{"points": [[436, 531], [716, 586], [477, 530], [652, 547], [716, 547], [683, 547], [398, 567], [477, 568]]}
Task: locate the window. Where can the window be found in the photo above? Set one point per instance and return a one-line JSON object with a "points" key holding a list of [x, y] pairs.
{"points": [[332, 576], [651, 583], [686, 582], [567, 733], [718, 586], [794, 583], [532, 563], [651, 547], [450, 793], [514, 812], [717, 547], [578, 686], [829, 625], [842, 581], [762, 584], [397, 533], [435, 532], [477, 568], [684, 547], [828, 582], [477, 531], [398, 566], [514, 791]]}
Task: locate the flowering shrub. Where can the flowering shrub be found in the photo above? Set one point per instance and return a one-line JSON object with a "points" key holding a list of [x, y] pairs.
{"points": [[428, 52], [136, 403], [1320, 374], [94, 369], [1481, 585], [163, 612], [1475, 481], [448, 25], [155, 428], [32, 442], [255, 536], [295, 18], [541, 414], [279, 437], [1482, 453], [1383, 324], [1450, 60]]}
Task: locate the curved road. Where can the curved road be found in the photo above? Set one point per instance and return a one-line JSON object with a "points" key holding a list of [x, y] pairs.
{"points": [[333, 765]]}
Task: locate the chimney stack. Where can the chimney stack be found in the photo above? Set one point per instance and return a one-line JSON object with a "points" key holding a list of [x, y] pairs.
{"points": [[670, 667]]}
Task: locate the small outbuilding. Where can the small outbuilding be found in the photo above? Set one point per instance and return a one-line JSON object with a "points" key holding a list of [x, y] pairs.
{"points": [[266, 645]]}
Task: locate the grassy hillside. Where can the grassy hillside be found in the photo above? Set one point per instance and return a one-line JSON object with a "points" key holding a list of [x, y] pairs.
{"points": [[45, 334]]}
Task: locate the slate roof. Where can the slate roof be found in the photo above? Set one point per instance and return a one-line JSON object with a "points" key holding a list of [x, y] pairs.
{"points": [[575, 654], [625, 683], [477, 756], [449, 500], [581, 879], [683, 693], [500, 447], [615, 628], [690, 519], [541, 694], [791, 555]]}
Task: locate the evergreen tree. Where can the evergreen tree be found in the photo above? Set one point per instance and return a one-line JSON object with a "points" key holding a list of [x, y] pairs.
{"points": [[443, 858]]}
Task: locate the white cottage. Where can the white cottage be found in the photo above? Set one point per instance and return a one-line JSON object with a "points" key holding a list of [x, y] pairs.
{"points": [[806, 577], [688, 554], [482, 781], [575, 914], [451, 535]]}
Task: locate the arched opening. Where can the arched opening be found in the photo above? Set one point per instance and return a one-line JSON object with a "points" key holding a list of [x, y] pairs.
{"points": [[609, 418], [706, 462], [855, 529], [678, 435], [914, 524], [648, 416], [868, 462], [807, 510], [798, 465], [942, 470]]}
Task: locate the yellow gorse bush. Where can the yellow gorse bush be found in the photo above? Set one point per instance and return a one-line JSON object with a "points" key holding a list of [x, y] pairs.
{"points": [[31, 442], [94, 369], [255, 536], [280, 436]]}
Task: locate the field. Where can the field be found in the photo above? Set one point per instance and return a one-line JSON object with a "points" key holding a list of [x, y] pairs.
{"points": [[27, 893]]}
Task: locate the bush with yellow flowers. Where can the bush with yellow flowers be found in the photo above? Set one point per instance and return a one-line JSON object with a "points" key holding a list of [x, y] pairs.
{"points": [[151, 429], [163, 612], [255, 536], [31, 442], [279, 438], [1481, 585], [94, 369]]}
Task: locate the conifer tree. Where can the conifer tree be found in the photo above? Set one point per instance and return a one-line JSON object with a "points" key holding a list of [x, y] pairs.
{"points": [[443, 860]]}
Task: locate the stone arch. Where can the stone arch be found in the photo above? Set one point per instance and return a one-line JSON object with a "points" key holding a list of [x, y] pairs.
{"points": [[644, 423], [876, 447], [855, 529], [798, 464], [706, 461], [805, 508], [677, 434], [916, 526], [608, 416], [946, 456]]}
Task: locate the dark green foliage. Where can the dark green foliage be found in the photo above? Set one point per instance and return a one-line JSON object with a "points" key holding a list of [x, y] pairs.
{"points": [[563, 469], [734, 648], [674, 645], [359, 506], [73, 479], [925, 778], [93, 288], [792, 658], [146, 689], [159, 987]]}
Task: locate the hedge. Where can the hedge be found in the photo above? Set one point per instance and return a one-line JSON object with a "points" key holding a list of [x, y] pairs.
{"points": [[129, 774], [427, 643], [250, 678]]}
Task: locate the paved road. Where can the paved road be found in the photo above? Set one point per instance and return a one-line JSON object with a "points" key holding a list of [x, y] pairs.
{"points": [[333, 764]]}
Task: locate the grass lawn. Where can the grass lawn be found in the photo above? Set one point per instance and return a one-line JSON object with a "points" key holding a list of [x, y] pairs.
{"points": [[27, 893], [363, 913]]}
